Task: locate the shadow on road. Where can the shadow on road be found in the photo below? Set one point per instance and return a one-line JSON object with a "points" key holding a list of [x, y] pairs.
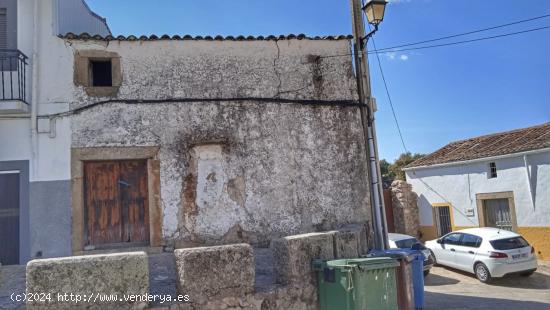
{"points": [[437, 280], [436, 301], [538, 281]]}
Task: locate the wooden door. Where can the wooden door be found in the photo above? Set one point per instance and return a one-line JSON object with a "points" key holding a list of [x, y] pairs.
{"points": [[116, 203], [133, 194], [9, 218]]}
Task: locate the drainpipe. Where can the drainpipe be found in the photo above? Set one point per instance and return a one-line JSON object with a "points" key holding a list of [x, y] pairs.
{"points": [[34, 99], [529, 183]]}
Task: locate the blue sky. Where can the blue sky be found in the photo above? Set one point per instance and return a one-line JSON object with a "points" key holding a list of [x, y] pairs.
{"points": [[440, 94]]}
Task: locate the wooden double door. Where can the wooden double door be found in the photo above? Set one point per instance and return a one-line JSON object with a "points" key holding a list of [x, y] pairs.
{"points": [[116, 203]]}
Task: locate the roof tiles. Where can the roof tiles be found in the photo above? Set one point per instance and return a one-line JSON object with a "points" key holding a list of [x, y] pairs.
{"points": [[504, 143], [87, 36]]}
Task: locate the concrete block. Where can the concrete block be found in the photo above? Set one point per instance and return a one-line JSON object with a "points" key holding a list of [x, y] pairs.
{"points": [[207, 273], [360, 230], [346, 244], [294, 255], [87, 277]]}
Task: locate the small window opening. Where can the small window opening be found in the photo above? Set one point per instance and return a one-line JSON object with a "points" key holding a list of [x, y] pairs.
{"points": [[492, 170], [101, 72]]}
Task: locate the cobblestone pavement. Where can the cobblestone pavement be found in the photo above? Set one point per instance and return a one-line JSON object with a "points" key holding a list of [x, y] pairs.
{"points": [[12, 280], [454, 290]]}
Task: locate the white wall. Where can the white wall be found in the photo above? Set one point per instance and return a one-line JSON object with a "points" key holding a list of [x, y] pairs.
{"points": [[51, 60], [459, 184], [75, 16]]}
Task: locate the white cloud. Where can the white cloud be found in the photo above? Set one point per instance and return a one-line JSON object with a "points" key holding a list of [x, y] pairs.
{"points": [[394, 56]]}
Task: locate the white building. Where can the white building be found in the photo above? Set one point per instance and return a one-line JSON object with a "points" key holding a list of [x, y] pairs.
{"points": [[499, 180], [34, 176]]}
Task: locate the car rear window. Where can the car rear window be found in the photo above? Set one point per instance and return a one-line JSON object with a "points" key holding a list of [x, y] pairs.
{"points": [[406, 243], [509, 243]]}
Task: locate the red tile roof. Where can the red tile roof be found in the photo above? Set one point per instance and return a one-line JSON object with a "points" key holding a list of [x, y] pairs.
{"points": [[504, 143]]}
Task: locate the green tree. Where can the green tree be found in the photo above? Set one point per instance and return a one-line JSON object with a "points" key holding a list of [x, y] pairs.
{"points": [[403, 160], [387, 175]]}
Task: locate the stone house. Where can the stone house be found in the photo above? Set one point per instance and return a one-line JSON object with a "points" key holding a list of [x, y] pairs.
{"points": [[498, 180], [173, 141]]}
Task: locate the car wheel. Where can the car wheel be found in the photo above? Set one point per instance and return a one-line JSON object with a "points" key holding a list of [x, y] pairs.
{"points": [[482, 273], [433, 257], [426, 273], [527, 274]]}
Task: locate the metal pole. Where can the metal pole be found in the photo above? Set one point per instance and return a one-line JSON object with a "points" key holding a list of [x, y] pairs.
{"points": [[369, 132]]}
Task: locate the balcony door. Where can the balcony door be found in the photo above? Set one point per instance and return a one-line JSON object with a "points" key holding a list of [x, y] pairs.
{"points": [[8, 24]]}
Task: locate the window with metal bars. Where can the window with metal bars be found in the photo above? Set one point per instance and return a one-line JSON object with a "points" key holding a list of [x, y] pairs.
{"points": [[492, 170]]}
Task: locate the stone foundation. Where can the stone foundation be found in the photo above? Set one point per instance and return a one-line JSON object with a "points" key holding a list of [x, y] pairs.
{"points": [[111, 274], [217, 272], [218, 277]]}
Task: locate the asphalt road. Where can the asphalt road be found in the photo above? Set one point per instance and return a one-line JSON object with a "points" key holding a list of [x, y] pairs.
{"points": [[453, 290]]}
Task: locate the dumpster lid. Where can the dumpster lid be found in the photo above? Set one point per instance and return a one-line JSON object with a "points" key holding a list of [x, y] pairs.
{"points": [[368, 263], [406, 254]]}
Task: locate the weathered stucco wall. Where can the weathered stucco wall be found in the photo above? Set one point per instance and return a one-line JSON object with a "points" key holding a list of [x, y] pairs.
{"points": [[238, 171]]}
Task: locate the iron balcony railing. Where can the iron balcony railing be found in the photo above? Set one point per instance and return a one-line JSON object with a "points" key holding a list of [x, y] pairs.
{"points": [[13, 70]]}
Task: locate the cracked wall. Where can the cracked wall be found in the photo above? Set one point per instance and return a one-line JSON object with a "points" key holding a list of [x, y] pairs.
{"points": [[237, 171]]}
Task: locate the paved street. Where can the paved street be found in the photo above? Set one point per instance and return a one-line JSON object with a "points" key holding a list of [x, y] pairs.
{"points": [[450, 289]]}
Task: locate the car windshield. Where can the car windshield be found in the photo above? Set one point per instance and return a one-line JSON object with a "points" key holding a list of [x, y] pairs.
{"points": [[406, 243], [509, 243]]}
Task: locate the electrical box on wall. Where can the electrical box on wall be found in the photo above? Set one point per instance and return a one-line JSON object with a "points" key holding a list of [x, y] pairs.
{"points": [[46, 125], [470, 212]]}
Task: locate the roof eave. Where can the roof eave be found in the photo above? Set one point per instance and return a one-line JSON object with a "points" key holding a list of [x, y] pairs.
{"points": [[471, 161]]}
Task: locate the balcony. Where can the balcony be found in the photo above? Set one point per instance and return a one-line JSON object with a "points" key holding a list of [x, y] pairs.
{"points": [[14, 78]]}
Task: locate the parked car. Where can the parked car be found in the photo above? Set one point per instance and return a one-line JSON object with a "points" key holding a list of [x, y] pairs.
{"points": [[400, 241], [486, 252]]}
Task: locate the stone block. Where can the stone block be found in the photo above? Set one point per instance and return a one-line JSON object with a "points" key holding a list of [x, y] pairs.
{"points": [[346, 244], [87, 277], [217, 272], [360, 231], [294, 255]]}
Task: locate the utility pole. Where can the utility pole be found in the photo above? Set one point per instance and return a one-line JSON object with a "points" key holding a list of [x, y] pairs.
{"points": [[367, 121]]}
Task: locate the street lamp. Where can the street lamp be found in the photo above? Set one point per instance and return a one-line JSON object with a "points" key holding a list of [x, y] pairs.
{"points": [[374, 9]]}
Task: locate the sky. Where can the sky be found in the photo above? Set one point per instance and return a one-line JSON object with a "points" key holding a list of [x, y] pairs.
{"points": [[440, 94]]}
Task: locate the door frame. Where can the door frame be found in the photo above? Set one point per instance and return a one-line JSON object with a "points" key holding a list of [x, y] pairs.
{"points": [[434, 217], [22, 166], [480, 197], [81, 155]]}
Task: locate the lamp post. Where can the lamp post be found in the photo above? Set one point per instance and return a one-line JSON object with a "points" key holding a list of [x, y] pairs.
{"points": [[374, 10]]}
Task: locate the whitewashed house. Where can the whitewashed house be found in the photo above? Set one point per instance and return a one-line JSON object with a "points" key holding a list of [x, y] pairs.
{"points": [[499, 180]]}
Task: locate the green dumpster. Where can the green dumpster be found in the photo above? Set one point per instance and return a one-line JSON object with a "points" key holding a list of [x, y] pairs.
{"points": [[357, 284]]}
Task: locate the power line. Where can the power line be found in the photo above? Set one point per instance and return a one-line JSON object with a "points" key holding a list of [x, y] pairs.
{"points": [[466, 33], [384, 51], [389, 97], [460, 42]]}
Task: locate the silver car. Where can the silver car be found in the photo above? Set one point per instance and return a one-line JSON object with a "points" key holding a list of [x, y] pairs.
{"points": [[400, 241]]}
